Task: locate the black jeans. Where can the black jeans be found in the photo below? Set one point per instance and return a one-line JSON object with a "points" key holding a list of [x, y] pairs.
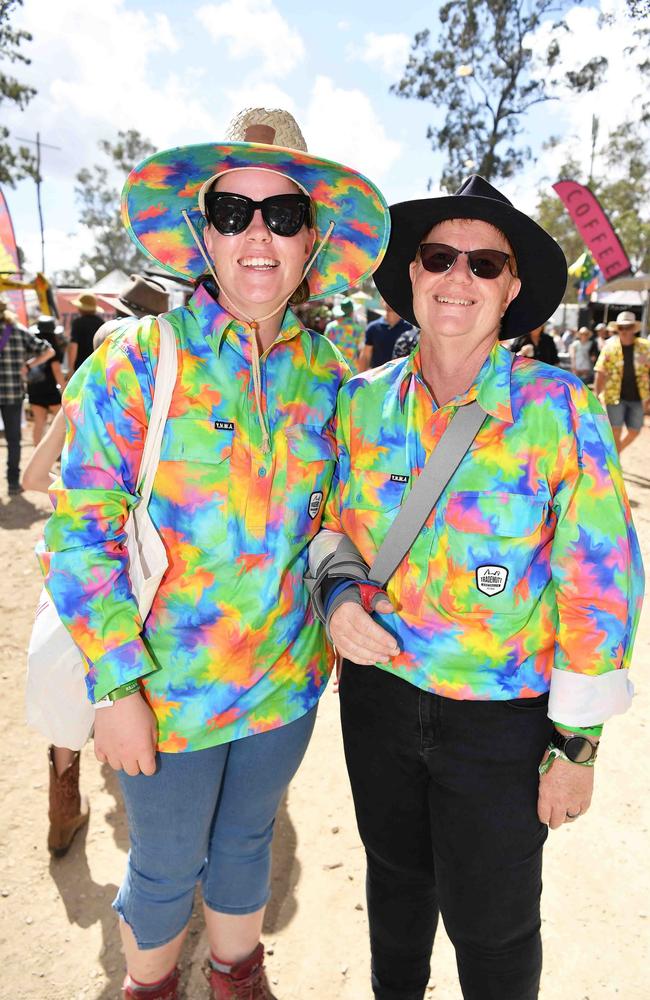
{"points": [[445, 794], [12, 419]]}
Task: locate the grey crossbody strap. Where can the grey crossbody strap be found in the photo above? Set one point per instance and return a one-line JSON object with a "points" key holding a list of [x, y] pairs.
{"points": [[440, 467]]}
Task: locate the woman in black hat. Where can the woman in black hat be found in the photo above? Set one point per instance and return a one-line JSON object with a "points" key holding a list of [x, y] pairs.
{"points": [[515, 605]]}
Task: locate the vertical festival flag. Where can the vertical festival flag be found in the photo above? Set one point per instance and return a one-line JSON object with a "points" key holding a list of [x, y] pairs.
{"points": [[595, 228], [9, 263]]}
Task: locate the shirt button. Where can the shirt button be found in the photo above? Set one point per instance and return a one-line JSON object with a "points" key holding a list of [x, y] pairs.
{"points": [[359, 497], [261, 472], [424, 531]]}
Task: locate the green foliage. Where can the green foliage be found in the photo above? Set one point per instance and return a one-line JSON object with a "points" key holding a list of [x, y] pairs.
{"points": [[15, 162], [98, 194], [621, 183], [482, 74]]}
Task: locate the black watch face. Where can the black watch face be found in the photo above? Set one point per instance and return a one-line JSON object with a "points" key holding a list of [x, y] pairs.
{"points": [[578, 749]]}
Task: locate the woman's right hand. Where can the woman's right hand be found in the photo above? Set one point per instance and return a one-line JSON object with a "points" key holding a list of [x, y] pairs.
{"points": [[358, 637], [125, 736]]}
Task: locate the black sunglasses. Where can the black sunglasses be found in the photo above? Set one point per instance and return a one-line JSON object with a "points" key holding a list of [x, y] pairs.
{"points": [[438, 257], [284, 214]]}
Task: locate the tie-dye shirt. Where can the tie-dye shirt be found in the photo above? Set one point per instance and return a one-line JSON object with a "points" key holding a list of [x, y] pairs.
{"points": [[230, 646], [347, 334], [529, 566]]}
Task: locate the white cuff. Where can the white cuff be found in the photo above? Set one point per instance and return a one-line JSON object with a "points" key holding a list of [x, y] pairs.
{"points": [[588, 699]]}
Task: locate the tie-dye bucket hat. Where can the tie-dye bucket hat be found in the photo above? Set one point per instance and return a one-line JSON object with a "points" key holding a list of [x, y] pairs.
{"points": [[165, 188]]}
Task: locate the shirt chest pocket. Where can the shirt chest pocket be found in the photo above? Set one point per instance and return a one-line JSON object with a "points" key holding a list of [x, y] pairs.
{"points": [[371, 501], [194, 468], [310, 459], [488, 544]]}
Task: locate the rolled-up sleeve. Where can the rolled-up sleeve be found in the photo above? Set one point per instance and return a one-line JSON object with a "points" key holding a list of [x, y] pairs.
{"points": [[597, 573], [84, 559]]}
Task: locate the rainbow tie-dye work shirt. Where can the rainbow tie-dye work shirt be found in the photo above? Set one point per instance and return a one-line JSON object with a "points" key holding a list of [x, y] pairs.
{"points": [[347, 334], [529, 566], [230, 647]]}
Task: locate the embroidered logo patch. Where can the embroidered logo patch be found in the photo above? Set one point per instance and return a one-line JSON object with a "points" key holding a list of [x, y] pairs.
{"points": [[315, 501], [224, 425], [399, 479], [491, 580]]}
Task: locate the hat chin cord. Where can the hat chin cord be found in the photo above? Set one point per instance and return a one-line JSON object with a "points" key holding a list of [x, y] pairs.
{"points": [[255, 323]]}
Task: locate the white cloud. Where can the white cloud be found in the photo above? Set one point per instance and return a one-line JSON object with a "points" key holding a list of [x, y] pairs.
{"points": [[571, 116], [261, 94], [343, 125], [390, 51], [62, 249], [92, 65], [252, 28]]}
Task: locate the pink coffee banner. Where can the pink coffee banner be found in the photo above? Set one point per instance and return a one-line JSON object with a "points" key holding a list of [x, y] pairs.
{"points": [[595, 228]]}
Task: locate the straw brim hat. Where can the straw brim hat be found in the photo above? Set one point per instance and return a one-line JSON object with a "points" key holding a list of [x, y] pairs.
{"points": [[161, 187], [627, 320], [541, 264], [87, 303]]}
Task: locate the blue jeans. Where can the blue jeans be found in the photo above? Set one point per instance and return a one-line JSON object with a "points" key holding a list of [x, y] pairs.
{"points": [[206, 816], [12, 419], [628, 412], [445, 794]]}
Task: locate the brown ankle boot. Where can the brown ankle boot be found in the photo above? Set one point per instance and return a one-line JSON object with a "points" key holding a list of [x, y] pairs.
{"points": [[245, 981], [68, 810]]}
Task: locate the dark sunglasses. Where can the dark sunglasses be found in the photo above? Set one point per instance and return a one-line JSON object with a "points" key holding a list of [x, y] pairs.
{"points": [[438, 257], [284, 214]]}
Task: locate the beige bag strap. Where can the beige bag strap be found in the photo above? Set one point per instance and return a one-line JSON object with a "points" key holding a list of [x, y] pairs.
{"points": [[162, 397]]}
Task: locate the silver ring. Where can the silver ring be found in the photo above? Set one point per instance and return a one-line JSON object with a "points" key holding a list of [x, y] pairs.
{"points": [[573, 815]]}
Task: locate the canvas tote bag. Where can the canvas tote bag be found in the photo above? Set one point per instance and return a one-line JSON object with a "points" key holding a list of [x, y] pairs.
{"points": [[56, 698]]}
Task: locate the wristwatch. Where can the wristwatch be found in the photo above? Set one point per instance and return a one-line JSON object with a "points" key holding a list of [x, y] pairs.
{"points": [[578, 749]]}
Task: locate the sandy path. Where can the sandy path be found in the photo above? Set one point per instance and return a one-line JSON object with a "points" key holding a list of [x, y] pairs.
{"points": [[58, 939]]}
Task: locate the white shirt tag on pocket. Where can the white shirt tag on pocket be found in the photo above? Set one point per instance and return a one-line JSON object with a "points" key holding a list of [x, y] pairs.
{"points": [[315, 501], [491, 580]]}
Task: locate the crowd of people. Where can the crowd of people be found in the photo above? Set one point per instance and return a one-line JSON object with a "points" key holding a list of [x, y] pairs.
{"points": [[475, 676]]}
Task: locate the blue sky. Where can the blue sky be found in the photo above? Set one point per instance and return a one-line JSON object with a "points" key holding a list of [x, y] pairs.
{"points": [[178, 71]]}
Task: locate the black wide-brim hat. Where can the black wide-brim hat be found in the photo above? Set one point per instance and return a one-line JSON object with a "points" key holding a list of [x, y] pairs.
{"points": [[541, 264]]}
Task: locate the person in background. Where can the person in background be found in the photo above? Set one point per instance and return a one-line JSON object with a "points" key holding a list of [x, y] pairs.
{"points": [[20, 351], [68, 809], [45, 381], [381, 337], [623, 378], [554, 332], [474, 689], [347, 333], [406, 342], [214, 696], [568, 337], [543, 346], [82, 330], [582, 355]]}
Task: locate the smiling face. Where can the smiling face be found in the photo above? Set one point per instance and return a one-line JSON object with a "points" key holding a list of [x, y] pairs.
{"points": [[256, 269], [456, 304]]}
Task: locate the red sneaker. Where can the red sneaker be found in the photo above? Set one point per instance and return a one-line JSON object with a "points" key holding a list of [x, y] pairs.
{"points": [[245, 981], [166, 989]]}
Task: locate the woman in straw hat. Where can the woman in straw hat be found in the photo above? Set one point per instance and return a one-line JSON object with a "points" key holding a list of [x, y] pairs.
{"points": [[215, 694], [517, 603]]}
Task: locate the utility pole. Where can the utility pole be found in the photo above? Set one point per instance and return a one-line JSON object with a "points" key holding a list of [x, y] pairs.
{"points": [[595, 125], [38, 180]]}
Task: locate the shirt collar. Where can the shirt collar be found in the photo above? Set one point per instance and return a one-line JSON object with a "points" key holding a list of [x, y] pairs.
{"points": [[491, 387], [216, 323]]}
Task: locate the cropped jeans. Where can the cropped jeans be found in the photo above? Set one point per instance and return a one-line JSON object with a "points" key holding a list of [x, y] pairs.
{"points": [[205, 816]]}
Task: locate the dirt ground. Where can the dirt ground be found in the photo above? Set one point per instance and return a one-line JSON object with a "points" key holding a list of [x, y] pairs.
{"points": [[58, 937]]}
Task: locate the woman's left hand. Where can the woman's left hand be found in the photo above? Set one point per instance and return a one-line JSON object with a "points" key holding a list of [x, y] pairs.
{"points": [[564, 792]]}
